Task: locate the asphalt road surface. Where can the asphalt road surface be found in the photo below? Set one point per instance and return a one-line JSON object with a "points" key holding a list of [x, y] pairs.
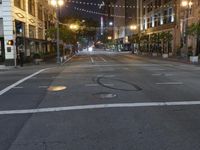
{"points": [[101, 101]]}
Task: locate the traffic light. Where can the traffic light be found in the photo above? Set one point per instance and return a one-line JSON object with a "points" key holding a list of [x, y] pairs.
{"points": [[10, 42]]}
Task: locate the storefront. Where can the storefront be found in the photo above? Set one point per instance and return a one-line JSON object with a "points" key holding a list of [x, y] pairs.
{"points": [[2, 50]]}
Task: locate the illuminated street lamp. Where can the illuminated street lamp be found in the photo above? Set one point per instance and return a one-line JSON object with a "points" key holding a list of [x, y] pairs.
{"points": [[57, 4], [74, 27], [133, 27], [109, 37], [187, 5]]}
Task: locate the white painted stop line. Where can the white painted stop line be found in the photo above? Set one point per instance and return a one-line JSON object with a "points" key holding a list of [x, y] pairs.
{"points": [[99, 106]]}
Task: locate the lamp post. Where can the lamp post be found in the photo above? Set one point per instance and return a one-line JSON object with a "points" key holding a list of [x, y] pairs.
{"points": [[57, 4], [134, 28], [187, 4]]}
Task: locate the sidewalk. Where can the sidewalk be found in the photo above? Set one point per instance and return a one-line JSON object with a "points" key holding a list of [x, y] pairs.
{"points": [[174, 59], [47, 63]]}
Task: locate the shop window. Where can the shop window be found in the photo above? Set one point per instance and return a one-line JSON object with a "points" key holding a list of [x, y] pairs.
{"points": [[1, 27], [31, 31], [40, 33]]}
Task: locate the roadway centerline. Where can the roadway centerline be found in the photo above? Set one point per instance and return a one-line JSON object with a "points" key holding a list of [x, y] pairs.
{"points": [[100, 106]]}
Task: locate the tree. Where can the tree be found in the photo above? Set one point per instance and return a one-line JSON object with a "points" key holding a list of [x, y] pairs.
{"points": [[194, 30], [166, 37]]}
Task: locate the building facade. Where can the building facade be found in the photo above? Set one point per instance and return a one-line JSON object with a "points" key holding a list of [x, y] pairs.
{"points": [[24, 22], [125, 16], [156, 17], [189, 14]]}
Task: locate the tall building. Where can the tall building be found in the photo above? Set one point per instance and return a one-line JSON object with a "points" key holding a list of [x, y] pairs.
{"points": [[125, 15], [24, 22], [119, 21], [158, 16]]}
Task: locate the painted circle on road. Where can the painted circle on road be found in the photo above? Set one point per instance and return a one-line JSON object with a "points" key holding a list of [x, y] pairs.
{"points": [[118, 84]]}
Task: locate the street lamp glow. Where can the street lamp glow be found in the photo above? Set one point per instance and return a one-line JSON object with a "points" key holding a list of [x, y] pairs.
{"points": [[186, 3], [109, 37], [133, 27], [60, 2], [53, 2], [111, 23], [73, 27]]}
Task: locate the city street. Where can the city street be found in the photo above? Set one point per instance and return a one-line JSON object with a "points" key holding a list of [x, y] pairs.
{"points": [[101, 101]]}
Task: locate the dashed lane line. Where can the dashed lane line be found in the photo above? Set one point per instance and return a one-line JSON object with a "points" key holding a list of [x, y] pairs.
{"points": [[21, 81], [99, 106], [170, 83], [103, 59], [92, 60]]}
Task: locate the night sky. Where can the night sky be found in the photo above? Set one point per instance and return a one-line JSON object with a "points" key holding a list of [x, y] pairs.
{"points": [[69, 10]]}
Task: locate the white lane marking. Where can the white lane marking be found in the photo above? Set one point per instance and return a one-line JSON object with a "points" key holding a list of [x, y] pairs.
{"points": [[156, 69], [18, 87], [99, 106], [91, 85], [67, 60], [92, 60], [157, 74], [103, 59], [43, 87], [109, 84], [169, 75], [170, 83], [164, 74], [21, 81], [110, 76], [126, 68]]}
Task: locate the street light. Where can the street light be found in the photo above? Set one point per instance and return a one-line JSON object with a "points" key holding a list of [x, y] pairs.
{"points": [[133, 27], [74, 27], [187, 4], [57, 4]]}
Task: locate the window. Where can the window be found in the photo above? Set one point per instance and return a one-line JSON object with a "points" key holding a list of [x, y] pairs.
{"points": [[156, 20], [31, 7], [40, 33], [1, 27], [170, 17], [159, 19], [20, 4], [40, 12], [165, 17], [31, 31]]}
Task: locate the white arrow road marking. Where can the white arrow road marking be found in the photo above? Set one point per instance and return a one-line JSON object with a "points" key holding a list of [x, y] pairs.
{"points": [[99, 106]]}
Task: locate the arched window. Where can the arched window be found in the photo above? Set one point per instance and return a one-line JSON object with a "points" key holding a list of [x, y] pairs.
{"points": [[31, 7]]}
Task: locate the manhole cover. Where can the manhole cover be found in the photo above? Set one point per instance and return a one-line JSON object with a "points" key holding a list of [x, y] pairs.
{"points": [[56, 88], [105, 95]]}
